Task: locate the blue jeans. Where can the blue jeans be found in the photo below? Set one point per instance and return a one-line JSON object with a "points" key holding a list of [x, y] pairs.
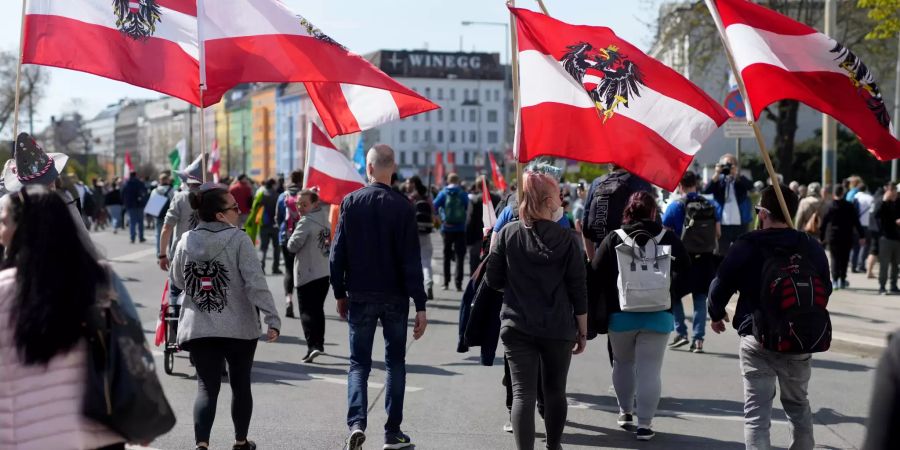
{"points": [[363, 319], [699, 321], [160, 221], [136, 219]]}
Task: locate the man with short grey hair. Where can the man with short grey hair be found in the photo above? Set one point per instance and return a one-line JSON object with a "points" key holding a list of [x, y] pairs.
{"points": [[375, 270]]}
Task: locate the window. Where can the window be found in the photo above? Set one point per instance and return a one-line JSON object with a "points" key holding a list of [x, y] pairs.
{"points": [[453, 115], [452, 94], [492, 137], [402, 135], [440, 114], [427, 92], [428, 116], [440, 93], [492, 116], [465, 95], [427, 135], [487, 95], [440, 136], [415, 158], [415, 135], [472, 116], [403, 158], [466, 158], [462, 137], [452, 136], [496, 95], [416, 118], [473, 137], [475, 93]]}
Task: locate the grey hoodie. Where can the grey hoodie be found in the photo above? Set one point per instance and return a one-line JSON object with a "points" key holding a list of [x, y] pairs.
{"points": [[223, 284], [311, 242]]}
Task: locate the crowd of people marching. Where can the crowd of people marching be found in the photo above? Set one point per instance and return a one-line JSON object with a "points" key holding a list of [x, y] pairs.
{"points": [[562, 264]]}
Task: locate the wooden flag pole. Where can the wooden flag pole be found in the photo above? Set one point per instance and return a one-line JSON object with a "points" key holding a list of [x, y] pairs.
{"points": [[19, 76], [309, 125], [203, 155], [543, 8], [756, 131]]}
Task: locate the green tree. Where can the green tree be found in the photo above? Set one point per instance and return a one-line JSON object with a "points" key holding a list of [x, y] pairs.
{"points": [[885, 14]]}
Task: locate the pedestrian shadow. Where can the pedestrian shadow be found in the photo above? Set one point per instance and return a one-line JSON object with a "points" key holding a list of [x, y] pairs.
{"points": [[828, 416], [300, 369], [410, 368], [412, 321], [474, 361], [450, 307], [600, 437], [856, 317], [817, 363]]}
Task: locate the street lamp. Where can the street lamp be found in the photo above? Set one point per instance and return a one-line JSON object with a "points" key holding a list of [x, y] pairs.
{"points": [[505, 26]]}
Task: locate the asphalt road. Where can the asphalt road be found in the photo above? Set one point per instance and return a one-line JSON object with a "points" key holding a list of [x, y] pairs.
{"points": [[452, 402]]}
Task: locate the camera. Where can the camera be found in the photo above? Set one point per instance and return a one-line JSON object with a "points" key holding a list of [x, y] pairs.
{"points": [[726, 169]]}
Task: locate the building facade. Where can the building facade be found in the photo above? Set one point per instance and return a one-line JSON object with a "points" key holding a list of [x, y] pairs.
{"points": [[240, 131], [262, 156]]}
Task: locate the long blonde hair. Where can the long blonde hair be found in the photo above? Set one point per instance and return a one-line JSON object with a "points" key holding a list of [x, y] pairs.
{"points": [[536, 188]]}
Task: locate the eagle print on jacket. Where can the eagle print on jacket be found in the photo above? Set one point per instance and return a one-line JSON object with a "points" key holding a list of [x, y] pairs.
{"points": [[207, 284]]}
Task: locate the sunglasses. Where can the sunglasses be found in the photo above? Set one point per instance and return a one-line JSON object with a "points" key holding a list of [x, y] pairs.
{"points": [[760, 208], [234, 208]]}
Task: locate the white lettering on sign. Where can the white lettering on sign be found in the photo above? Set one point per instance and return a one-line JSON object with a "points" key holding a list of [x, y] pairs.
{"points": [[441, 61]]}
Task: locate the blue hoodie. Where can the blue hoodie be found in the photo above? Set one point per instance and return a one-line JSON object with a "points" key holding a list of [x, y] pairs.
{"points": [[441, 201]]}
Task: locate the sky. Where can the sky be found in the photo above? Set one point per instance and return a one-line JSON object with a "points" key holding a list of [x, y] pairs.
{"points": [[363, 26]]}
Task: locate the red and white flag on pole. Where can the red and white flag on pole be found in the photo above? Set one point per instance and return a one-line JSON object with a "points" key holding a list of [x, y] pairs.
{"points": [[780, 58], [439, 169], [588, 95], [330, 170], [488, 216], [215, 161], [127, 168], [496, 175], [161, 320], [156, 44]]}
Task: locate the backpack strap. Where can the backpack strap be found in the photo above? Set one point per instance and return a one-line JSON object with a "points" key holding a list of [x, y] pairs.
{"points": [[624, 237]]}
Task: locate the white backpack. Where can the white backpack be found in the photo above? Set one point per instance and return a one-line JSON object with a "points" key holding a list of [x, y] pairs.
{"points": [[644, 273]]}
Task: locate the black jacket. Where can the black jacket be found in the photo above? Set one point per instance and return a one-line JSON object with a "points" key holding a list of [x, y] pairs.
{"points": [[375, 256], [887, 213], [605, 268], [475, 223], [884, 412], [838, 224], [541, 269], [741, 271]]}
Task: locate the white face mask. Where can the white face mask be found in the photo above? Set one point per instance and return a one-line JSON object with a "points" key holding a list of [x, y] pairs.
{"points": [[558, 214]]}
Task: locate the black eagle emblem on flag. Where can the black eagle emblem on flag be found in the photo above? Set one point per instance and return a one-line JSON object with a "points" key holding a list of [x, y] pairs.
{"points": [[317, 33], [207, 284], [137, 18], [862, 78], [608, 76]]}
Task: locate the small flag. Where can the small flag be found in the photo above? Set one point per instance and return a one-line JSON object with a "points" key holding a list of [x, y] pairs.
{"points": [[329, 170], [488, 216], [128, 167], [438, 169], [175, 158], [496, 175], [215, 161], [161, 320]]}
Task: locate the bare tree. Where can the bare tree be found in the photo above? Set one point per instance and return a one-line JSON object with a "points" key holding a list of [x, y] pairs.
{"points": [[33, 87], [691, 18]]}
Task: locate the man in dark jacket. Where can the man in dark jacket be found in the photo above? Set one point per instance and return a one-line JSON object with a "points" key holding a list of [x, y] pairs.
{"points": [[884, 412], [475, 223], [134, 195], [375, 270], [452, 203], [887, 214], [613, 218], [731, 191], [838, 225], [741, 271]]}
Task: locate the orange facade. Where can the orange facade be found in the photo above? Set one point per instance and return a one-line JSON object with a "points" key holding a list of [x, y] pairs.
{"points": [[262, 160]]}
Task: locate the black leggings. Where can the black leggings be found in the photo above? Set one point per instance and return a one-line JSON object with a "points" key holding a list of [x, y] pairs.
{"points": [[288, 269], [209, 355], [311, 298], [840, 257], [529, 356]]}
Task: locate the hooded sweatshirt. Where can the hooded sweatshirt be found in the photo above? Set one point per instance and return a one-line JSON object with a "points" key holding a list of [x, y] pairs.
{"points": [[440, 203], [223, 283], [311, 242], [541, 268], [180, 216]]}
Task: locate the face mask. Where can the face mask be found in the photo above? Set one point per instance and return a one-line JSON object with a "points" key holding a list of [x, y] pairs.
{"points": [[557, 214]]}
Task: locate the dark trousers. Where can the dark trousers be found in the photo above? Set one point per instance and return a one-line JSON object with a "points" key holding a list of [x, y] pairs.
{"points": [[288, 268], [311, 299], [363, 318], [528, 357], [860, 252], [269, 234], [474, 257], [209, 355], [730, 233], [454, 247], [507, 382], [840, 257], [136, 222]]}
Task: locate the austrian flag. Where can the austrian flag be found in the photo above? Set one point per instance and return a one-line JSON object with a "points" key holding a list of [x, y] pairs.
{"points": [[588, 95], [171, 46], [780, 58]]}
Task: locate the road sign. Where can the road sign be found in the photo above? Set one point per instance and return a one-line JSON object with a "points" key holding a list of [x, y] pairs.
{"points": [[734, 103], [738, 128]]}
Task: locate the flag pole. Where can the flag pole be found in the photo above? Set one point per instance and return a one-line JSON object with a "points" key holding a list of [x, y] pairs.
{"points": [[710, 4], [19, 74], [202, 42], [309, 125], [514, 42], [543, 8]]}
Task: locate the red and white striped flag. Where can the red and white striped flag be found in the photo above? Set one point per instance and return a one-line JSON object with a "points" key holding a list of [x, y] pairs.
{"points": [[499, 181], [488, 216], [329, 170], [780, 58], [439, 169], [156, 44], [215, 161], [588, 95], [161, 320], [127, 168]]}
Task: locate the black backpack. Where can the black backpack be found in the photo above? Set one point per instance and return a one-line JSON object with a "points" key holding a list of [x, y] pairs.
{"points": [[699, 231], [792, 315], [607, 206], [424, 216]]}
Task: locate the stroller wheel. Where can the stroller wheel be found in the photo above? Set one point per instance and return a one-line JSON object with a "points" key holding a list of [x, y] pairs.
{"points": [[169, 362]]}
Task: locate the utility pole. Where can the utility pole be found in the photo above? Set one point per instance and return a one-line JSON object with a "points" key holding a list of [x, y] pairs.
{"points": [[829, 126], [896, 108]]}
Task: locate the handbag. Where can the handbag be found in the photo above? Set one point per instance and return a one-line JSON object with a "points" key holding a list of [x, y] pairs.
{"points": [[483, 327], [122, 390]]}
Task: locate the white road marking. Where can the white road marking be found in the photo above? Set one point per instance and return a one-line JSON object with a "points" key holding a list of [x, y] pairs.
{"points": [[859, 340], [300, 375], [135, 256]]}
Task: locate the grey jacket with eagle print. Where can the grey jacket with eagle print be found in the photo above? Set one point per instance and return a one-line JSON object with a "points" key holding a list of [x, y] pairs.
{"points": [[311, 242], [217, 267]]}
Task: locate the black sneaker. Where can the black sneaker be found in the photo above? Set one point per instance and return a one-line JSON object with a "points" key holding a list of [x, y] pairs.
{"points": [[249, 445], [277, 272], [697, 346], [625, 420], [430, 294], [312, 355], [290, 310], [507, 427], [356, 439], [396, 440], [459, 287], [679, 341], [881, 291], [644, 434]]}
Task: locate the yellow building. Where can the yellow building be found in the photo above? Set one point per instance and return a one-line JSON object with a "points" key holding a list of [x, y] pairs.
{"points": [[262, 161]]}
